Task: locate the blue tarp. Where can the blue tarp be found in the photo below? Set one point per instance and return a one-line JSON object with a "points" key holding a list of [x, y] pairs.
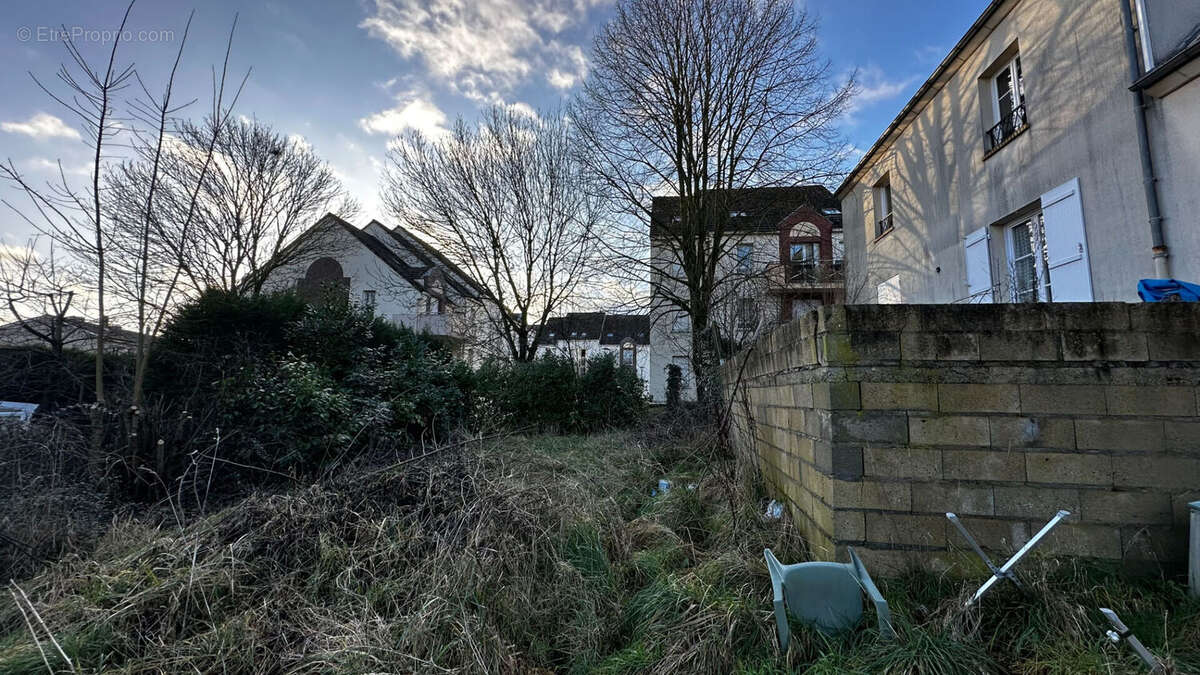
{"points": [[1171, 290]]}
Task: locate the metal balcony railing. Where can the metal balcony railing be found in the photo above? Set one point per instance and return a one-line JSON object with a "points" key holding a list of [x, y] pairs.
{"points": [[434, 324], [1004, 131], [808, 273], [883, 225]]}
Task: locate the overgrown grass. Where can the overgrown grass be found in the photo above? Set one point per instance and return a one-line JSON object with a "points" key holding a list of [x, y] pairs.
{"points": [[541, 554]]}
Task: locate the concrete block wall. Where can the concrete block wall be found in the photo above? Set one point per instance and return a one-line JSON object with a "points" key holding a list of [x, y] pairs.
{"points": [[871, 422]]}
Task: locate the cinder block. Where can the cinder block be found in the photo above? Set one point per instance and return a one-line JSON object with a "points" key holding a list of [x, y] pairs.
{"points": [[992, 534], [872, 495], [1073, 468], [948, 430], [1173, 346], [836, 395], [1175, 401], [902, 462], [1165, 472], [1021, 501], [1092, 541], [1063, 399], [1182, 436], [906, 529], [1112, 316], [990, 465], [1104, 346], [860, 347], [976, 398], [1031, 345], [1180, 511], [849, 526], [1119, 434], [802, 394], [1032, 432], [847, 461], [939, 346], [899, 396], [956, 498], [870, 427], [1157, 543], [1121, 508]]}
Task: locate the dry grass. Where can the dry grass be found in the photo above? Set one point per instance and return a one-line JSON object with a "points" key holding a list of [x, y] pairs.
{"points": [[539, 554]]}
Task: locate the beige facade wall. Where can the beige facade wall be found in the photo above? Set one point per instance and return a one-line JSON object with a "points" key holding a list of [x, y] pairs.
{"points": [[1174, 127], [872, 421], [1081, 125]]}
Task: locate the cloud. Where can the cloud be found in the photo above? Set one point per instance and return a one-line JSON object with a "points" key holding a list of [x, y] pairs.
{"points": [[418, 114], [301, 142], [50, 166], [930, 53], [41, 125], [874, 87], [482, 48]]}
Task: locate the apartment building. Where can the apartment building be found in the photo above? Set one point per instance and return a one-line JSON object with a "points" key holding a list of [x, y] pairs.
{"points": [[1053, 155], [782, 256]]}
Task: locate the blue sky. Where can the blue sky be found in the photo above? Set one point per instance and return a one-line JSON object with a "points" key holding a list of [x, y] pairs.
{"points": [[347, 75]]}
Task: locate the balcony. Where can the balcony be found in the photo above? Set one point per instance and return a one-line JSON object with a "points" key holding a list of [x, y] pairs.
{"points": [[1006, 130], [434, 324], [814, 274]]}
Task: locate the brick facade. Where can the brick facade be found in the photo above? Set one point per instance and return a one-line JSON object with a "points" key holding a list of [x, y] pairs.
{"points": [[872, 421]]}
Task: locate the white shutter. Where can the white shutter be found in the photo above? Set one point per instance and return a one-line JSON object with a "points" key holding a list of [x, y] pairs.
{"points": [[1066, 245], [888, 292], [979, 266]]}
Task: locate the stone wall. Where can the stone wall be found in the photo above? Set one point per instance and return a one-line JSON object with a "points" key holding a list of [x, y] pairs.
{"points": [[872, 421]]}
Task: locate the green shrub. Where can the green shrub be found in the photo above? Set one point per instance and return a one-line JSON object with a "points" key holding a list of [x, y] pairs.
{"points": [[674, 385], [552, 394]]}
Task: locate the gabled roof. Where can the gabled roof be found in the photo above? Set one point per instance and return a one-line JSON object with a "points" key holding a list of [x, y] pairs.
{"points": [[431, 257], [618, 328], [415, 275], [75, 329], [609, 329], [757, 209]]}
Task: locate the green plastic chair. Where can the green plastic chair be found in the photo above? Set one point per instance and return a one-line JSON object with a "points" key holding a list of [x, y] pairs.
{"points": [[825, 595]]}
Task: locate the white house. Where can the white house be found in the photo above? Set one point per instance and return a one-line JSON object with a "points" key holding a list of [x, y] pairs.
{"points": [[581, 335], [405, 280]]}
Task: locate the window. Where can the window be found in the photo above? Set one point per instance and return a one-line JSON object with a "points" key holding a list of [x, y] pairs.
{"points": [[747, 314], [883, 207], [1029, 261], [802, 261], [680, 324], [839, 249], [368, 298], [1008, 105], [628, 355], [745, 254]]}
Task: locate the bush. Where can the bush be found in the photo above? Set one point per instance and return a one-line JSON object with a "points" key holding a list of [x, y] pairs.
{"points": [[551, 394]]}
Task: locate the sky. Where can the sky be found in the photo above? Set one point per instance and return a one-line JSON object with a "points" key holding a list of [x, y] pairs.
{"points": [[348, 75]]}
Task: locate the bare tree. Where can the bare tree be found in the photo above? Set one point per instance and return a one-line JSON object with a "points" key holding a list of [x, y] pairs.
{"points": [[696, 99], [154, 210], [39, 292], [73, 215], [259, 194], [508, 202]]}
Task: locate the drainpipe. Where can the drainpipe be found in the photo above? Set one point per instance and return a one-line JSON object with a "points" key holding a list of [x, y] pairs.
{"points": [[1162, 264]]}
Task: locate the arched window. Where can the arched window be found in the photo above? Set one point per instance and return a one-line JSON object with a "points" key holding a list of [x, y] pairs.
{"points": [[805, 230], [324, 281]]}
